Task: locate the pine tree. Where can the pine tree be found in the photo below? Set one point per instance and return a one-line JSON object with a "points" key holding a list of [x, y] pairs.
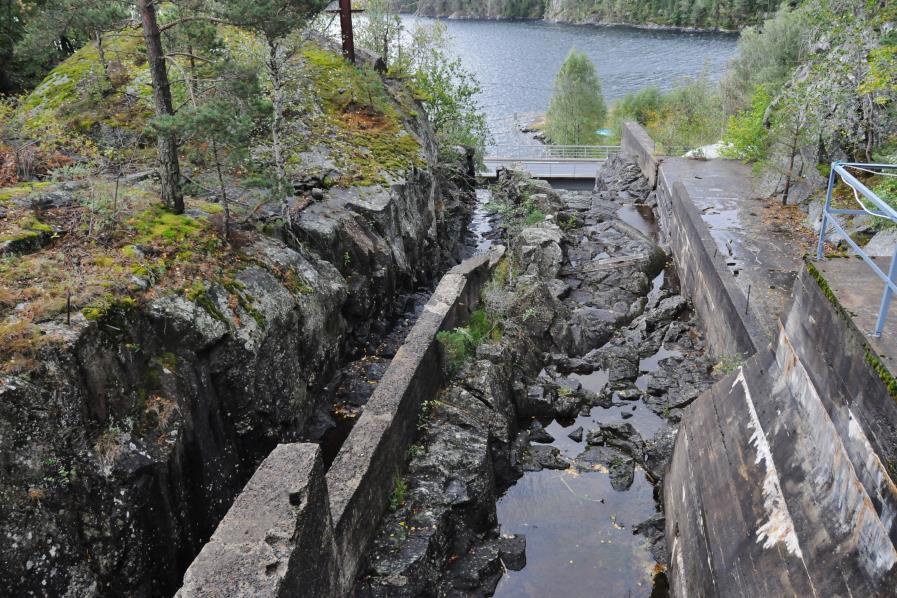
{"points": [[577, 108], [274, 21], [169, 165]]}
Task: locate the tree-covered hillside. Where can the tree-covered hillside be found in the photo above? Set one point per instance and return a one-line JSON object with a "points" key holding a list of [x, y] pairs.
{"points": [[701, 14]]}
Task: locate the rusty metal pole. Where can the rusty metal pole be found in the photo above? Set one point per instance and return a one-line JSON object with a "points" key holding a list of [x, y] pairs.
{"points": [[345, 23]]}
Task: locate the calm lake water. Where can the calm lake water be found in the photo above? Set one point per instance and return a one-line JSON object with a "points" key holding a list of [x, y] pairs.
{"points": [[516, 62]]}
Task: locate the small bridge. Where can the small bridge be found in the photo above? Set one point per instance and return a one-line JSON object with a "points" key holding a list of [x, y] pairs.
{"points": [[549, 161]]}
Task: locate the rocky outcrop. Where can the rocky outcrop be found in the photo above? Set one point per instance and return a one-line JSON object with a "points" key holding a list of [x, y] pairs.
{"points": [[124, 449]]}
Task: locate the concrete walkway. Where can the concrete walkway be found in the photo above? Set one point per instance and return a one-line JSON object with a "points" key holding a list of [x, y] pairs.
{"points": [[763, 261]]}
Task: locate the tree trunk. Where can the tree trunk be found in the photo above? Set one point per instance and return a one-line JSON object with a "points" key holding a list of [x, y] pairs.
{"points": [[793, 152], [276, 69], [223, 190], [101, 52], [169, 167]]}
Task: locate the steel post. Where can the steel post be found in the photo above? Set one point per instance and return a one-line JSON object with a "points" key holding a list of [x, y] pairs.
{"points": [[820, 249], [886, 298]]}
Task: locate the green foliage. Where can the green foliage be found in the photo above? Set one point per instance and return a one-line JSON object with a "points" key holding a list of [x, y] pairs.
{"points": [[767, 57], [643, 106], [274, 19], [746, 136], [447, 90], [705, 14], [459, 344], [380, 30], [692, 116], [577, 107], [399, 489]]}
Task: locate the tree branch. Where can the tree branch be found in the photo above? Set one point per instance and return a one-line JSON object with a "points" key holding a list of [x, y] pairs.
{"points": [[183, 20]]}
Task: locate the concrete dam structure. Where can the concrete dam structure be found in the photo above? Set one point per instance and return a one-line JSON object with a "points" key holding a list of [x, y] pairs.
{"points": [[782, 478]]}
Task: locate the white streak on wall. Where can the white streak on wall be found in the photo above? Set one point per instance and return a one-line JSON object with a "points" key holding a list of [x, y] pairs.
{"points": [[779, 528]]}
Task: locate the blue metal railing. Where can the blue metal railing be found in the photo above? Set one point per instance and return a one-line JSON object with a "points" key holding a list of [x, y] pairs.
{"points": [[880, 209]]}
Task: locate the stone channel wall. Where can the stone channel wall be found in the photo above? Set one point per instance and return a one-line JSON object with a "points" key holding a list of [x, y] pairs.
{"points": [[296, 531], [782, 477], [730, 328]]}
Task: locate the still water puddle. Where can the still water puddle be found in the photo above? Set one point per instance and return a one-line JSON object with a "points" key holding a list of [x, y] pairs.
{"points": [[641, 218], [579, 539]]}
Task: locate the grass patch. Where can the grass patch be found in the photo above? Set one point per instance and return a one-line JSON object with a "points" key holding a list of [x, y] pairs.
{"points": [[460, 343], [399, 490]]}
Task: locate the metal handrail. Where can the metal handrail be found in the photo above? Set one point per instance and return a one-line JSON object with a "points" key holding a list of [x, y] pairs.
{"points": [[883, 211], [541, 152]]}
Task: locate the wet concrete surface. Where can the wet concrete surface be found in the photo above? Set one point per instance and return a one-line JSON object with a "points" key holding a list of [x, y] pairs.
{"points": [[859, 291], [763, 261]]}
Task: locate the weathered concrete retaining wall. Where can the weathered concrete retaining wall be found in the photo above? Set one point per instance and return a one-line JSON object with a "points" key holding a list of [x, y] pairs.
{"points": [[637, 143], [277, 537], [290, 492], [729, 326], [776, 486]]}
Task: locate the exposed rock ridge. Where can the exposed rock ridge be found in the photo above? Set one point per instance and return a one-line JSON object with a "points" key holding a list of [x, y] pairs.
{"points": [[122, 452]]}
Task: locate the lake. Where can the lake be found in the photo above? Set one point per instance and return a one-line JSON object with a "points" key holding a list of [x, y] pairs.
{"points": [[516, 62]]}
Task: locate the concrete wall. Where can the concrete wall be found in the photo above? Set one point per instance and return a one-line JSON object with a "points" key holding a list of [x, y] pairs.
{"points": [[776, 486], [782, 478], [295, 531], [637, 143], [729, 326]]}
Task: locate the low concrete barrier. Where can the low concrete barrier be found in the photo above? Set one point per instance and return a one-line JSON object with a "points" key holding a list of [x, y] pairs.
{"points": [[295, 531], [637, 143], [730, 327]]}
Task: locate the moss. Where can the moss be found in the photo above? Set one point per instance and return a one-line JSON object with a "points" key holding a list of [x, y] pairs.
{"points": [[369, 139], [21, 190], [107, 305], [28, 228], [76, 96], [870, 357], [157, 223], [198, 294]]}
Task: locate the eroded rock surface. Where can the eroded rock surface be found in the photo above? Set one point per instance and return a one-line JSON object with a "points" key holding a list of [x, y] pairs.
{"points": [[595, 328]]}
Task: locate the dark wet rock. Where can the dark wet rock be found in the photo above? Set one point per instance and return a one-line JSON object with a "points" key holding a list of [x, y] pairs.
{"points": [[540, 456], [622, 473], [576, 435], [659, 451], [536, 400], [317, 194], [476, 572], [621, 435], [590, 328], [653, 529], [620, 361], [512, 551], [626, 415], [538, 434], [666, 310]]}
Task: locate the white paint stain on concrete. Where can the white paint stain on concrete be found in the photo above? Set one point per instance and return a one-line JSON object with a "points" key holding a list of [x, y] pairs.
{"points": [[779, 527]]}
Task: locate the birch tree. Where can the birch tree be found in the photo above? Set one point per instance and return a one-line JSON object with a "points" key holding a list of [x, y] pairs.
{"points": [[577, 107]]}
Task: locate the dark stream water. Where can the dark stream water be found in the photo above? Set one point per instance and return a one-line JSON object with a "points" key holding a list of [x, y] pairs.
{"points": [[516, 62]]}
